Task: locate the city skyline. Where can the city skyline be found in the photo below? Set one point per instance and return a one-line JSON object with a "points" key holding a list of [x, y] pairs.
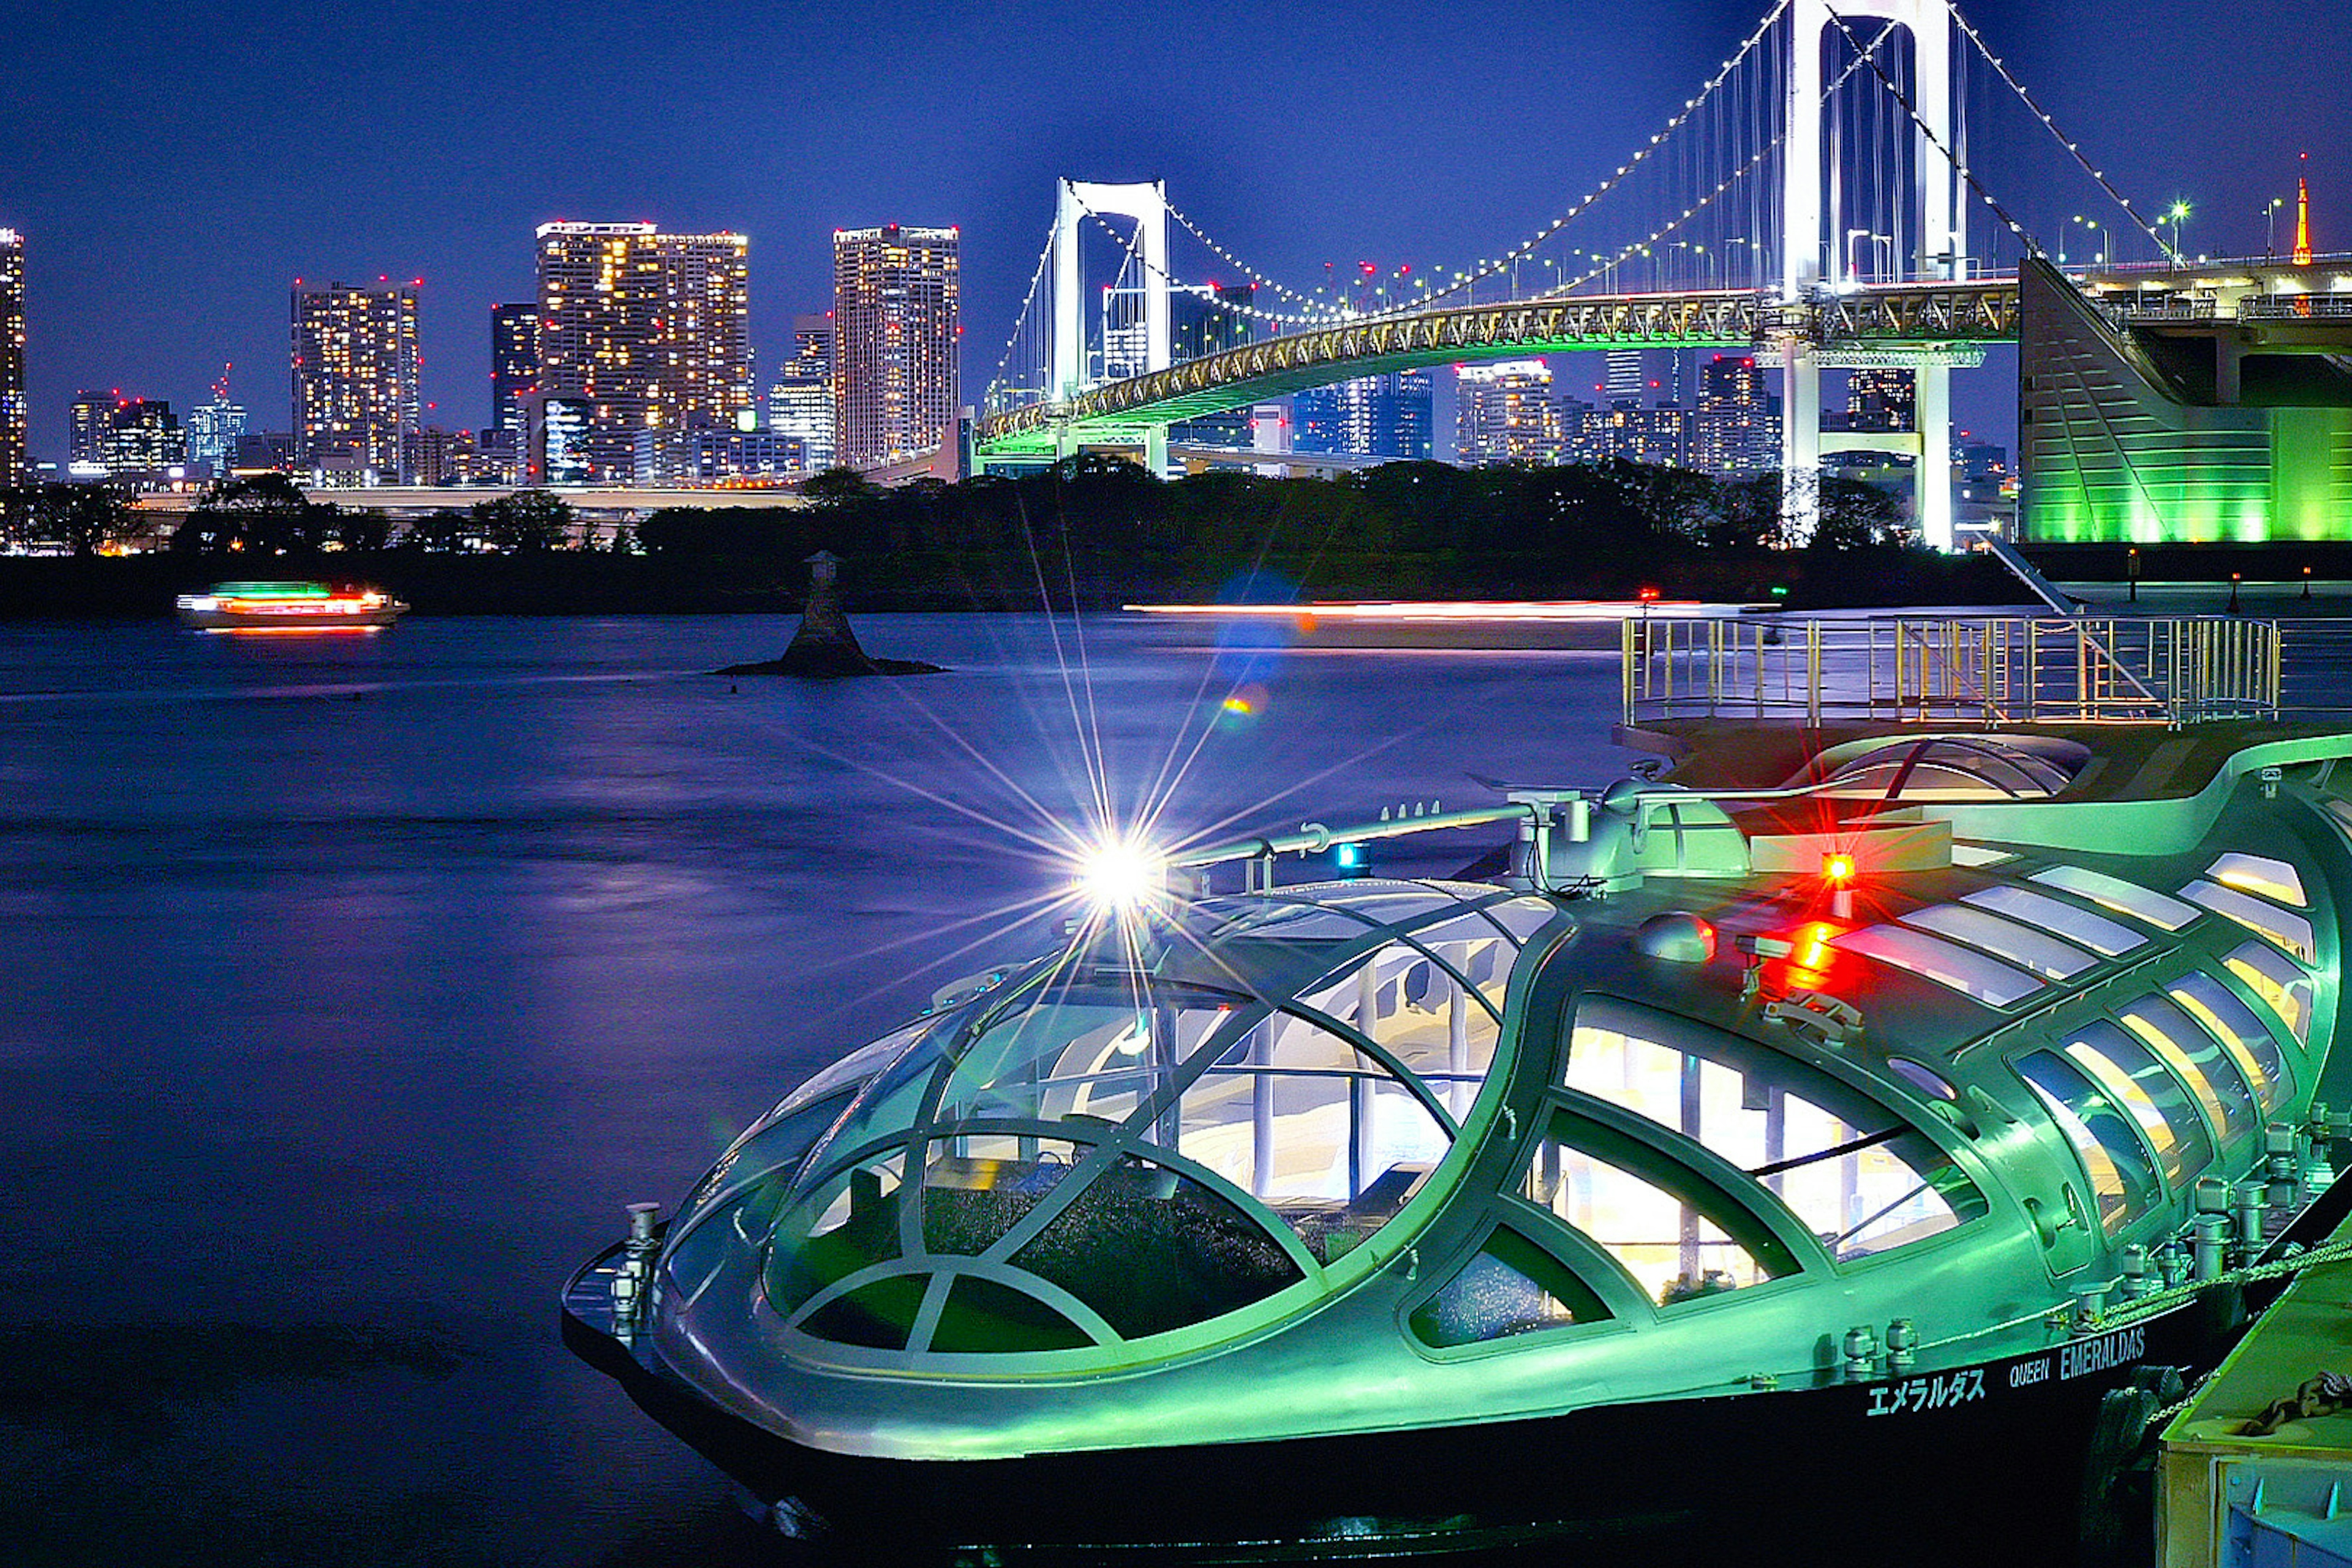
{"points": [[963, 133]]}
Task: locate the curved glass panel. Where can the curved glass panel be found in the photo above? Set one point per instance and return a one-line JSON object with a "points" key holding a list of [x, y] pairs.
{"points": [[984, 1317], [2149, 1094], [2274, 880], [1859, 1177], [1325, 1137], [2159, 910], [2033, 951], [1150, 1250], [1955, 768], [1113, 1147], [2123, 1178], [1678, 1237], [771, 1150], [2075, 923], [2192, 1051], [2283, 989], [976, 1188], [2241, 1034], [1512, 1286], [2290, 931], [850, 1223], [1948, 963]]}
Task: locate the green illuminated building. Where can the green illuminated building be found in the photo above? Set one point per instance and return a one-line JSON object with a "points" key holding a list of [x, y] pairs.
{"points": [[2172, 412]]}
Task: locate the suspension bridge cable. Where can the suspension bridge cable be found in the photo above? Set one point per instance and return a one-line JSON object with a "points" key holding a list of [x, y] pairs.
{"points": [[1045, 258], [2018, 87], [1229, 259], [1519, 252], [1755, 159]]}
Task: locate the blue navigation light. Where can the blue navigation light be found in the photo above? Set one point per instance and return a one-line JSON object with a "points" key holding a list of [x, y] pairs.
{"points": [[1350, 859]]}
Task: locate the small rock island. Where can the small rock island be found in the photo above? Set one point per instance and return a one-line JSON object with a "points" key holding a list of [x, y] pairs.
{"points": [[824, 648]]}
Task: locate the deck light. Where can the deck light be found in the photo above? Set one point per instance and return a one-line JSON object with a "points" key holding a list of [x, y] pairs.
{"points": [[1119, 875], [1838, 869], [1350, 859]]}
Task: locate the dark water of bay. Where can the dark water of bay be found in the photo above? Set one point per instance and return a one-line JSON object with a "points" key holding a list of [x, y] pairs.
{"points": [[348, 987]]}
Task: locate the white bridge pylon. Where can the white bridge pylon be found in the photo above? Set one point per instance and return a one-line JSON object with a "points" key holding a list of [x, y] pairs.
{"points": [[1147, 203], [1808, 261]]}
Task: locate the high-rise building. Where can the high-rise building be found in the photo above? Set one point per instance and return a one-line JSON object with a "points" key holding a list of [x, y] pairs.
{"points": [[1882, 400], [1637, 434], [800, 404], [214, 430], [88, 419], [1506, 412], [143, 441], [355, 366], [647, 330], [16, 459], [514, 365], [1624, 385], [1385, 415], [1736, 428], [896, 316]]}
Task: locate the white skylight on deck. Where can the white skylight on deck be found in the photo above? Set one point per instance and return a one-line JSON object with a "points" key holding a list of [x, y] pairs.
{"points": [[2100, 935], [1964, 970], [2124, 898]]}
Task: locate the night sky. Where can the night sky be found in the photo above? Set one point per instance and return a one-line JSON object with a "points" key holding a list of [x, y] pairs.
{"points": [[176, 164]]}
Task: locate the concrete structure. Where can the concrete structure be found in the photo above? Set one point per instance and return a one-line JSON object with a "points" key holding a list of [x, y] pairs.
{"points": [[645, 329], [1077, 203], [15, 456], [896, 316], [354, 378]]}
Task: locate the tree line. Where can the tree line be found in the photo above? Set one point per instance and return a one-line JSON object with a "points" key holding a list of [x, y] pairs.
{"points": [[1547, 528]]}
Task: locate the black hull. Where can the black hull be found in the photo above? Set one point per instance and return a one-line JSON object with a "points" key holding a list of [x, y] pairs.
{"points": [[2024, 1455], [1884, 1466]]}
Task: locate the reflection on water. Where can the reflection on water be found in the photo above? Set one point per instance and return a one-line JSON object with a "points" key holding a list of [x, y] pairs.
{"points": [[352, 986]]}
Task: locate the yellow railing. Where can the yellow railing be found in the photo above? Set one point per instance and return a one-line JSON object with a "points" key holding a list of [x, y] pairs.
{"points": [[1974, 669]]}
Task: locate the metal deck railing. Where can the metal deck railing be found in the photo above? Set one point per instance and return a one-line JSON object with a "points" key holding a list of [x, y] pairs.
{"points": [[1966, 669]]}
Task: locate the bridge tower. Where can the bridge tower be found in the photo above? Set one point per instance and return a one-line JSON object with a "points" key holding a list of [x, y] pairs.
{"points": [[1147, 203], [1808, 253]]}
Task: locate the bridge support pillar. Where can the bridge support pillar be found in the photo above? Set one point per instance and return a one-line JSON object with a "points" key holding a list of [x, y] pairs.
{"points": [[1800, 442], [1931, 477]]}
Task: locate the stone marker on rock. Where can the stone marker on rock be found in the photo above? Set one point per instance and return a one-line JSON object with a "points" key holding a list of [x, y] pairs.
{"points": [[825, 646]]}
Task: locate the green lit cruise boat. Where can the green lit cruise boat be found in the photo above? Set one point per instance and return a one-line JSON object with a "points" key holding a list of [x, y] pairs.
{"points": [[1851, 1133]]}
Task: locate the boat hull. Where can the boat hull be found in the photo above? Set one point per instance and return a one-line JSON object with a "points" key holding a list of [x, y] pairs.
{"points": [[1882, 1463]]}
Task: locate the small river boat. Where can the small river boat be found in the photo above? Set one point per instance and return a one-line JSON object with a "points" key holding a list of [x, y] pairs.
{"points": [[289, 607]]}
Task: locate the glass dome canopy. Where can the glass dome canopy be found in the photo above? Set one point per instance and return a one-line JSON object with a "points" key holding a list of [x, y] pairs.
{"points": [[1959, 768], [1139, 1133]]}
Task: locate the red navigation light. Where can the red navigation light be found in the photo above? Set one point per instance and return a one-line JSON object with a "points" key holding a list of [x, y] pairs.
{"points": [[1648, 595], [1839, 870]]}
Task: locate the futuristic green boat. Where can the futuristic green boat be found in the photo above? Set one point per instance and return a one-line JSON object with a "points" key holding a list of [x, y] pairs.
{"points": [[1867, 1119]]}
